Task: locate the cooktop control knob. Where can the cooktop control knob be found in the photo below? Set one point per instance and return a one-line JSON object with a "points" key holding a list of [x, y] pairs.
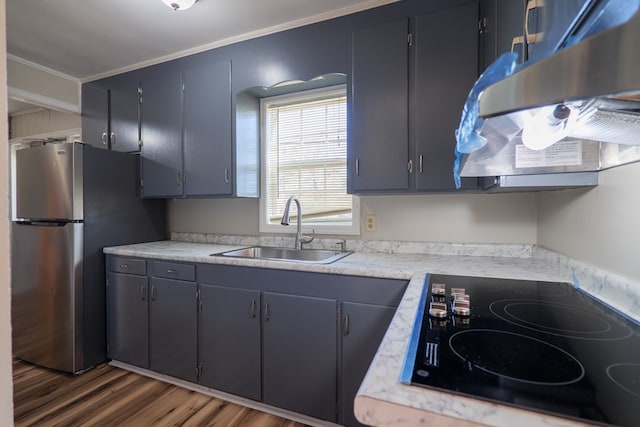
{"points": [[438, 310], [460, 297], [461, 306], [456, 291], [438, 289]]}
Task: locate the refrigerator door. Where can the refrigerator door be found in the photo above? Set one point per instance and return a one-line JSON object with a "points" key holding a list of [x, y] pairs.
{"points": [[46, 278], [49, 182]]}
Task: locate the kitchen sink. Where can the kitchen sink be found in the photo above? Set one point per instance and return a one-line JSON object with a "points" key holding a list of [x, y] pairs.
{"points": [[312, 256]]}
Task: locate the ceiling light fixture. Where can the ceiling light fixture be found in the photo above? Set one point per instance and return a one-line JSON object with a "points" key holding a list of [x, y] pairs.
{"points": [[179, 4]]}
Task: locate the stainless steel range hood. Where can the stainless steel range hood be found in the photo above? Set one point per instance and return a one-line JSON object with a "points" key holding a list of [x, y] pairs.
{"points": [[603, 65], [598, 79]]}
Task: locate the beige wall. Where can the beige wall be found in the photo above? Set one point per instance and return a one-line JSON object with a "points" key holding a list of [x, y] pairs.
{"points": [[600, 226], [6, 394], [37, 85], [42, 122], [495, 218]]}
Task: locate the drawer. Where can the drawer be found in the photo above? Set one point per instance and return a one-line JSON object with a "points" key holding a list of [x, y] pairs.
{"points": [[174, 270], [128, 265]]}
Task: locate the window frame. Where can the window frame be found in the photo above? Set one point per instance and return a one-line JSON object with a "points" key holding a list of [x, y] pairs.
{"points": [[307, 226]]}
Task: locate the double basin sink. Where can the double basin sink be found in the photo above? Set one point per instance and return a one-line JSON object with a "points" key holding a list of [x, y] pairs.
{"points": [[310, 256]]}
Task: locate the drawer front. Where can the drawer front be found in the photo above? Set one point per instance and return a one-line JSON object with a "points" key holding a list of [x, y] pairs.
{"points": [[128, 265], [174, 270]]}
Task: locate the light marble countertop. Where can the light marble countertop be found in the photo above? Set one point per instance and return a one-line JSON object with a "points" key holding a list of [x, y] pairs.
{"points": [[382, 400]]}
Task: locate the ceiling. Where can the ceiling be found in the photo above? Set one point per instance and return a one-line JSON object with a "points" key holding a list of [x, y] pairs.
{"points": [[90, 39]]}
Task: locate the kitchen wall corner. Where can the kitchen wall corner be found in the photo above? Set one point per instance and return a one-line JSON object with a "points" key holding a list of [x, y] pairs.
{"points": [[600, 226]]}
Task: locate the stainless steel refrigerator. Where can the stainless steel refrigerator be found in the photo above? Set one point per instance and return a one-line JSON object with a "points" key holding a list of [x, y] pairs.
{"points": [[71, 201]]}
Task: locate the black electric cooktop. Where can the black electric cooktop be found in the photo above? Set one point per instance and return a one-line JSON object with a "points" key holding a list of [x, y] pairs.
{"points": [[537, 345]]}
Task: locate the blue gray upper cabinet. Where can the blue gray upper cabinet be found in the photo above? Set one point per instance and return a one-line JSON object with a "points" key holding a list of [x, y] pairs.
{"points": [[207, 130], [445, 47], [161, 152], [378, 153], [410, 78], [547, 22], [110, 117], [95, 115], [124, 134], [501, 29], [187, 130], [532, 28]]}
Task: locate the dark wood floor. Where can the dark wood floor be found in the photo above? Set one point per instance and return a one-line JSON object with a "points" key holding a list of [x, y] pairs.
{"points": [[109, 396]]}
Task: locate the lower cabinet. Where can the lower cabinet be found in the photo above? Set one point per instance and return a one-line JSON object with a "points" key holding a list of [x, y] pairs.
{"points": [[128, 318], [229, 340], [299, 352], [363, 326], [152, 321], [173, 326], [295, 340]]}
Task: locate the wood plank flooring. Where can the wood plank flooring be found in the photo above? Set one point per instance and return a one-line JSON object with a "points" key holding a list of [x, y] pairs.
{"points": [[109, 396]]}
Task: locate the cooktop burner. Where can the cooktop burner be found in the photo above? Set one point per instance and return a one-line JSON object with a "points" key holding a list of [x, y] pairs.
{"points": [[558, 319], [625, 375], [500, 353], [543, 346]]}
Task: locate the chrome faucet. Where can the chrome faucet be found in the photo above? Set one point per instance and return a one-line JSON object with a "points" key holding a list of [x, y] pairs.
{"points": [[286, 219]]}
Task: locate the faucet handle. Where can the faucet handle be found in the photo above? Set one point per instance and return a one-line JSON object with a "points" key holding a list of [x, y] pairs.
{"points": [[342, 244], [307, 239]]}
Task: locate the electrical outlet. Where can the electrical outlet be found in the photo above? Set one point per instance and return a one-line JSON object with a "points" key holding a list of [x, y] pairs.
{"points": [[370, 223]]}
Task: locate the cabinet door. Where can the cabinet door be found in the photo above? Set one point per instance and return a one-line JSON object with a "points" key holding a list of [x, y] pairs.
{"points": [[363, 326], [95, 115], [173, 324], [510, 29], [379, 139], [162, 135], [128, 319], [299, 358], [548, 22], [446, 67], [502, 30], [229, 340], [207, 130], [125, 124]]}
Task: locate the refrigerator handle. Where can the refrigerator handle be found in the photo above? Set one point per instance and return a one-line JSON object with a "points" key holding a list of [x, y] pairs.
{"points": [[43, 223]]}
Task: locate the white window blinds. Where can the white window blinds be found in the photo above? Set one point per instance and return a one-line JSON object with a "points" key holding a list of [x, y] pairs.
{"points": [[306, 153]]}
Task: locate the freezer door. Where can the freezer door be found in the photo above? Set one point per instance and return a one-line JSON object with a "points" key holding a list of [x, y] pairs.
{"points": [[49, 182], [46, 286]]}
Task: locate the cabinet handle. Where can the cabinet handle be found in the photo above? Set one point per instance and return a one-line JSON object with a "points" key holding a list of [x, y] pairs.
{"points": [[421, 164], [171, 271], [226, 176], [535, 37], [112, 138], [267, 314], [143, 295], [179, 177], [346, 325], [154, 293], [104, 138], [125, 266], [357, 166], [516, 42], [410, 166], [253, 309]]}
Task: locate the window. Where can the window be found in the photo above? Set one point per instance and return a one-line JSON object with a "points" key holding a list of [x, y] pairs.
{"points": [[304, 153]]}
